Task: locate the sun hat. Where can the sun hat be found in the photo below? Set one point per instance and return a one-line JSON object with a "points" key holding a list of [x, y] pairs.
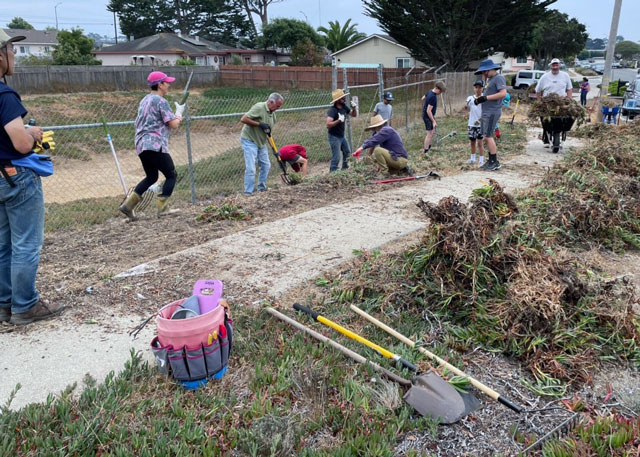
{"points": [[554, 61], [388, 96], [337, 95], [485, 65], [156, 77], [376, 121], [5, 38], [478, 83]]}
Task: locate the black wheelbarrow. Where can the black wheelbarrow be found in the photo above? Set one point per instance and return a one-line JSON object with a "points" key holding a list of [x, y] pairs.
{"points": [[554, 130]]}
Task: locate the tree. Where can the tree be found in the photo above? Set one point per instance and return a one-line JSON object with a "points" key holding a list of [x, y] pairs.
{"points": [[306, 53], [217, 20], [627, 49], [557, 36], [338, 37], [258, 7], [619, 38], [285, 33], [596, 43], [458, 31], [19, 23], [74, 49]]}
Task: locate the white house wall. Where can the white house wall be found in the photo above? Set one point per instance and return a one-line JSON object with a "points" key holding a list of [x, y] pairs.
{"points": [[375, 51]]}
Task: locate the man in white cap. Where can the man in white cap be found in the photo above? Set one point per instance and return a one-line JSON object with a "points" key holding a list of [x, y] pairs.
{"points": [[554, 82], [21, 206], [335, 129]]}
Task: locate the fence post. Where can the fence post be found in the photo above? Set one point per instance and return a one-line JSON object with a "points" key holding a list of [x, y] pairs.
{"points": [[380, 83], [189, 155], [348, 120], [334, 77]]}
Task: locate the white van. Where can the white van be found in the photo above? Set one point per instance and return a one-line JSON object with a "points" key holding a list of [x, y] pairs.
{"points": [[525, 78]]}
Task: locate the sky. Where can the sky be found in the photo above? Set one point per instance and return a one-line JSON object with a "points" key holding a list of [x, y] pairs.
{"points": [[92, 15]]}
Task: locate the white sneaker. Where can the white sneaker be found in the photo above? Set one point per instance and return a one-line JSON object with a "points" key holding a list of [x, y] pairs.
{"points": [[471, 161]]}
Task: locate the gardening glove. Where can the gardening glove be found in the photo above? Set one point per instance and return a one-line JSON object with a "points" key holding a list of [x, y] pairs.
{"points": [[357, 153], [179, 110], [353, 103], [266, 128], [47, 143], [341, 117], [480, 99]]}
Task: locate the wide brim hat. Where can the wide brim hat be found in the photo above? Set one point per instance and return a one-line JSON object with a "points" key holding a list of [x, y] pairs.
{"points": [[337, 95], [5, 38], [486, 65], [376, 121]]}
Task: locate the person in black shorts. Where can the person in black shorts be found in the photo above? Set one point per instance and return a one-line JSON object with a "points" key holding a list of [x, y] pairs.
{"points": [[429, 112]]}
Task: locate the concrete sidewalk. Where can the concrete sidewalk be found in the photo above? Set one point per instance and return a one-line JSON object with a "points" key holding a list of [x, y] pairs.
{"points": [[316, 242]]}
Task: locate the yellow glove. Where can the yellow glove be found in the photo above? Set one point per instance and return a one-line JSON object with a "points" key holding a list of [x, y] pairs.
{"points": [[47, 143]]}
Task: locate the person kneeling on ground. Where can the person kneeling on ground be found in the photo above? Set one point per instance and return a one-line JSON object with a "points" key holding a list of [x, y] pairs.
{"points": [[386, 147], [296, 156]]}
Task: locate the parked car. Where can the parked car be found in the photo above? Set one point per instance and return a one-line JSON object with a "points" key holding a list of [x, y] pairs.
{"points": [[631, 100], [525, 78], [598, 68]]}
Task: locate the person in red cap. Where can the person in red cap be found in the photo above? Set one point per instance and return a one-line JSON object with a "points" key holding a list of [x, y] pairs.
{"points": [[153, 124], [21, 206], [296, 156]]}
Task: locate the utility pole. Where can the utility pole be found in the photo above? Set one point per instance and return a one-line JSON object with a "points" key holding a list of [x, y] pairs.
{"points": [[55, 9], [115, 26], [611, 48]]}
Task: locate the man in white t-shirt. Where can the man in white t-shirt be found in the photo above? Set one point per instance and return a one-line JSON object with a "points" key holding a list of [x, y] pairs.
{"points": [[554, 82], [475, 132]]}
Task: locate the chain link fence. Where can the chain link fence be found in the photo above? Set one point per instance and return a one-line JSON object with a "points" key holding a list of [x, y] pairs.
{"points": [[86, 187]]}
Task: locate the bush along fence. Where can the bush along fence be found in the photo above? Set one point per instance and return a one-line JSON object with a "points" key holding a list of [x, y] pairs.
{"points": [[86, 187]]}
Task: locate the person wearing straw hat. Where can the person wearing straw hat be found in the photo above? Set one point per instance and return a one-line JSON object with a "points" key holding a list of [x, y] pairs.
{"points": [[154, 122], [21, 206], [386, 147], [495, 90], [335, 129]]}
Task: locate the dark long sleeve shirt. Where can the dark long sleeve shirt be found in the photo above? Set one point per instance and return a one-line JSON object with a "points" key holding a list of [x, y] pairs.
{"points": [[389, 139]]}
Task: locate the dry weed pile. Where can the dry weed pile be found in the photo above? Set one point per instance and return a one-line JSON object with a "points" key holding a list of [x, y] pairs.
{"points": [[555, 105]]}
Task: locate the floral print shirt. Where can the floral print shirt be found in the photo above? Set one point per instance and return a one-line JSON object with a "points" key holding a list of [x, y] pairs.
{"points": [[152, 131]]}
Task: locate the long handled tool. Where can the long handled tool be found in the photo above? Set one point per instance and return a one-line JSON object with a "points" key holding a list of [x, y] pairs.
{"points": [[283, 166], [431, 174], [487, 390], [429, 394], [439, 140], [354, 336], [115, 157], [515, 110]]}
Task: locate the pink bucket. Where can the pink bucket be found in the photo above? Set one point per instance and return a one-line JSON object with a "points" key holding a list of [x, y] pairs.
{"points": [[190, 332]]}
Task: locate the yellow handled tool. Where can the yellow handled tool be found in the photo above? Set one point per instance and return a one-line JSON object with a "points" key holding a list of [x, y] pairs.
{"points": [[382, 351]]}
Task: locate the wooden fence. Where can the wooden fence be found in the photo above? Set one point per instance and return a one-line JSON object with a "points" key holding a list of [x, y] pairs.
{"points": [[97, 78]]}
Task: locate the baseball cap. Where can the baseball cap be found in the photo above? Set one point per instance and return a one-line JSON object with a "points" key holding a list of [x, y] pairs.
{"points": [[388, 96], [554, 61], [478, 83], [156, 77], [5, 38]]}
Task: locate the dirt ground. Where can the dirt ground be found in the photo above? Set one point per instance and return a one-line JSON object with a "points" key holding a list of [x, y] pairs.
{"points": [[113, 276]]}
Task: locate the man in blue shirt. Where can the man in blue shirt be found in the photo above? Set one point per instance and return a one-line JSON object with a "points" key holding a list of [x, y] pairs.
{"points": [[386, 147], [21, 206], [429, 112]]}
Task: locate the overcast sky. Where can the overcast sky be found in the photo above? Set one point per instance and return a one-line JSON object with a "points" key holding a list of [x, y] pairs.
{"points": [[92, 15]]}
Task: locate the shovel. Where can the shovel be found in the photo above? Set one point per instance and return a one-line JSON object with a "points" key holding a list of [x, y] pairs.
{"points": [[487, 390], [429, 394], [283, 166]]}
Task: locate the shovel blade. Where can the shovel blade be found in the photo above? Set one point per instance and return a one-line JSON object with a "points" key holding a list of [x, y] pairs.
{"points": [[432, 396]]}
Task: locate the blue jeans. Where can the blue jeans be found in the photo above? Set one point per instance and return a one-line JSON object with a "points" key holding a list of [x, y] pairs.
{"points": [[252, 152], [338, 144], [21, 238]]}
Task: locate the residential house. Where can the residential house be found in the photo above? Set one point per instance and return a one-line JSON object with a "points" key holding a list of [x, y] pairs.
{"points": [[513, 64], [39, 43], [376, 49], [167, 48]]}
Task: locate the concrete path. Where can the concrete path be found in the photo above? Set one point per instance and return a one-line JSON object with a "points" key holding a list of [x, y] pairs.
{"points": [[49, 359]]}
